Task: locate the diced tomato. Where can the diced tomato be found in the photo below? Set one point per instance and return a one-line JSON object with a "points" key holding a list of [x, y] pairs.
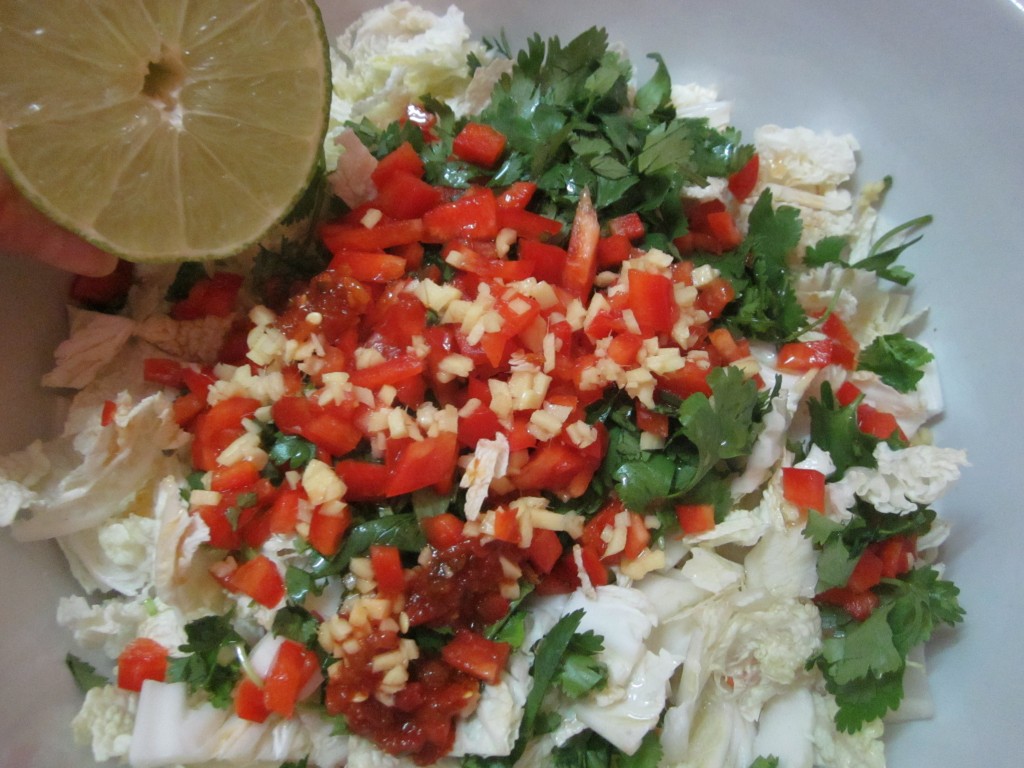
{"points": [[142, 659], [836, 329], [742, 183], [847, 393], [652, 301], [695, 518], [476, 655], [327, 530], [637, 535], [688, 380], [479, 144], [422, 464], [804, 488], [249, 703], [443, 530], [480, 424], [258, 578], [506, 525], [329, 428], [403, 159], [292, 668], [387, 569], [624, 347]]}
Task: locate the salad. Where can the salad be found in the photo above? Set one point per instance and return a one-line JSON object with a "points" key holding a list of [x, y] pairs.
{"points": [[556, 426]]}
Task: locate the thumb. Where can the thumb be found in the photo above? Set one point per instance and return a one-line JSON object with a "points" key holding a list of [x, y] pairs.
{"points": [[25, 231]]}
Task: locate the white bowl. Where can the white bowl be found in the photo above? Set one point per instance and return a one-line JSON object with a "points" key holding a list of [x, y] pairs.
{"points": [[934, 92]]}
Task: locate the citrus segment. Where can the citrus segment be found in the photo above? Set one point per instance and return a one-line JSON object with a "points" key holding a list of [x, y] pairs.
{"points": [[163, 130]]}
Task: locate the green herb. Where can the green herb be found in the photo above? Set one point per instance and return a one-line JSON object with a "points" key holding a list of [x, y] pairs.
{"points": [[589, 750], [706, 432], [548, 665], [766, 307], [85, 675], [296, 624], [771, 761], [896, 359], [863, 662], [582, 672], [210, 662], [188, 274], [834, 429], [291, 451], [303, 763], [882, 262]]}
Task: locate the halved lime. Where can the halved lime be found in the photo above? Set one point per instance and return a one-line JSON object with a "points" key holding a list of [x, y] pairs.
{"points": [[163, 129]]}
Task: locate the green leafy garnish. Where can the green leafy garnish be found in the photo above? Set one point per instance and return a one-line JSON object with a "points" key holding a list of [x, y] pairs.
{"points": [[834, 429], [762, 761], [896, 359], [582, 672], [588, 750], [210, 662], [85, 675]]}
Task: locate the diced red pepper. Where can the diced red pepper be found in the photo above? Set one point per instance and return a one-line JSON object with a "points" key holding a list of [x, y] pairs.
{"points": [[860, 605], [442, 531], [214, 296], [142, 659], [327, 530], [292, 668], [423, 463], [249, 703], [518, 194], [258, 578], [403, 159], [363, 480], [369, 266], [528, 225], [474, 215], [476, 655], [389, 372], [384, 235], [742, 183], [104, 291], [581, 261], [867, 573], [804, 488], [387, 569], [163, 371], [404, 195], [548, 260], [544, 550], [479, 144], [629, 225], [613, 250], [107, 413], [652, 301], [695, 518]]}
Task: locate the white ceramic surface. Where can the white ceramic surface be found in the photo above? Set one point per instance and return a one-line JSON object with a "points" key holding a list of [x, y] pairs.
{"points": [[934, 91]]}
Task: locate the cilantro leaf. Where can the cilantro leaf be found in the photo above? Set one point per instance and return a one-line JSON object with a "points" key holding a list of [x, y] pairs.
{"points": [[291, 452], [920, 601], [204, 667], [581, 671], [882, 262], [589, 750], [896, 359], [85, 675], [762, 761], [834, 429], [828, 250], [766, 305], [296, 624]]}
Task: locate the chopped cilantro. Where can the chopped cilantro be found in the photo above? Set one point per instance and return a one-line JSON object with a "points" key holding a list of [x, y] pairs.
{"points": [[290, 452], [766, 306], [834, 429], [206, 666], [85, 675], [581, 671], [896, 359], [296, 624], [589, 750], [765, 761]]}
